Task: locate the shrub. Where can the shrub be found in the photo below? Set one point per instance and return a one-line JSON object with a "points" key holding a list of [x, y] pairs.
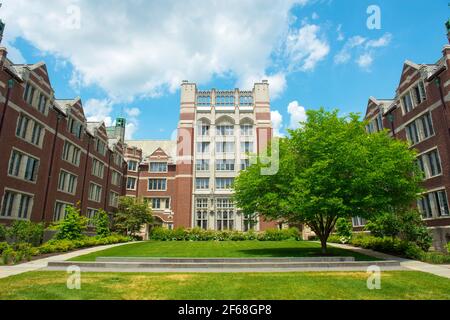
{"points": [[2, 232], [73, 225], [101, 224], [344, 230], [9, 256], [26, 231], [3, 246], [197, 234], [435, 257]]}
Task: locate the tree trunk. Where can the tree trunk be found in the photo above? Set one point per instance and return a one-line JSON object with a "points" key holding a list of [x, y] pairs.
{"points": [[323, 243]]}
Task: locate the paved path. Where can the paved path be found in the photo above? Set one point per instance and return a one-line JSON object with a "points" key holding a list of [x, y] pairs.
{"points": [[7, 271], [438, 270]]}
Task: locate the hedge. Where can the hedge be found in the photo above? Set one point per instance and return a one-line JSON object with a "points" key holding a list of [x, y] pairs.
{"points": [[196, 234], [20, 252], [395, 247]]}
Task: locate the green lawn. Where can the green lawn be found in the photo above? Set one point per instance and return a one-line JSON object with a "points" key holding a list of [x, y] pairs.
{"points": [[216, 249], [229, 286]]}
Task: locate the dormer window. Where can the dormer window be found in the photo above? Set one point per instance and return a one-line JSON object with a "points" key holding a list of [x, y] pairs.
{"points": [[42, 105], [29, 94], [75, 127]]}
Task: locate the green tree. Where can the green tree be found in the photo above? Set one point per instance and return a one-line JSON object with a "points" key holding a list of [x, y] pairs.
{"points": [[133, 213], [344, 229], [101, 224], [73, 226], [330, 168]]}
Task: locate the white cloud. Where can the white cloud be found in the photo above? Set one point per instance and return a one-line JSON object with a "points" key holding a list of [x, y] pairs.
{"points": [[98, 110], [133, 112], [365, 61], [305, 48], [363, 48], [297, 114], [146, 48], [340, 36], [277, 123], [315, 16]]}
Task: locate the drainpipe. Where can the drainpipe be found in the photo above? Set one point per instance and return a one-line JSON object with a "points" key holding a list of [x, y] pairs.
{"points": [[88, 153], [50, 170], [5, 106], [107, 180]]}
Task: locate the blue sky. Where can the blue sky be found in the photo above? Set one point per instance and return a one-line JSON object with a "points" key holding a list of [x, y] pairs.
{"points": [[128, 58]]}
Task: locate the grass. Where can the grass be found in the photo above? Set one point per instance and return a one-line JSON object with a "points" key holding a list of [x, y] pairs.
{"points": [[226, 249], [403, 285]]}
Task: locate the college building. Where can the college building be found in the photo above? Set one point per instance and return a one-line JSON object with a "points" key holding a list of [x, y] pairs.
{"points": [[188, 182], [51, 156], [420, 114]]}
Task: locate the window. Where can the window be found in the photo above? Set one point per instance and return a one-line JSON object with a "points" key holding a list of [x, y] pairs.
{"points": [[16, 205], [201, 217], [204, 100], [224, 183], [245, 163], [98, 168], [95, 192], [23, 166], [116, 178], [71, 153], [380, 122], [246, 130], [75, 127], [420, 129], [225, 214], [157, 184], [132, 165], [131, 183], [434, 204], [246, 147], [225, 130], [250, 222], [430, 164], [407, 102], [203, 147], [42, 105], [100, 147], [246, 100], [113, 199], [160, 203], [202, 165], [67, 182], [202, 183], [203, 130], [29, 94], [36, 135], [225, 100], [22, 127], [91, 215], [358, 222], [419, 93], [201, 203], [225, 147], [23, 130], [59, 212], [158, 167], [225, 165], [117, 159]]}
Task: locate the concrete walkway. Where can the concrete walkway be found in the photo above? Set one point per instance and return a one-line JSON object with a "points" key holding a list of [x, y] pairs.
{"points": [[438, 270], [7, 271]]}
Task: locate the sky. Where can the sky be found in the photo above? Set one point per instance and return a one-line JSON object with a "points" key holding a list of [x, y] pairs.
{"points": [[128, 58]]}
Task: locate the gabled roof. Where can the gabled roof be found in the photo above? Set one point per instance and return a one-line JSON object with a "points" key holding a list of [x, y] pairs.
{"points": [[149, 147], [92, 127]]}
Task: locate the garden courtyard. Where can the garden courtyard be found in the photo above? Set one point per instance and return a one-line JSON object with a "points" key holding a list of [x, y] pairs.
{"points": [[332, 285]]}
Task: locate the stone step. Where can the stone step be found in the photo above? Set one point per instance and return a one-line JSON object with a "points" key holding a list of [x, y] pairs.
{"points": [[224, 260], [221, 265]]}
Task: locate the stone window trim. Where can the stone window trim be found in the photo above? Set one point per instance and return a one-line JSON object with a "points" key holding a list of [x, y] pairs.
{"points": [[66, 204], [32, 122], [20, 192], [23, 169], [156, 178], [430, 191], [76, 182], [426, 152]]}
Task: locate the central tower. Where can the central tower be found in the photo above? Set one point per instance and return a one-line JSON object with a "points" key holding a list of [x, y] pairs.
{"points": [[218, 131]]}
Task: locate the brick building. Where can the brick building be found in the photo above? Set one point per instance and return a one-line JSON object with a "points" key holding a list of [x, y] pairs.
{"points": [[51, 156], [188, 182], [420, 114]]}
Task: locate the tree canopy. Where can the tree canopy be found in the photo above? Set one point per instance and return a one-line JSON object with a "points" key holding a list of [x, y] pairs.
{"points": [[331, 168], [133, 213]]}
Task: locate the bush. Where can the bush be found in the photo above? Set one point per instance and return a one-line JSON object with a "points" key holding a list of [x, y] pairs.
{"points": [[435, 257], [73, 225], [101, 224], [344, 230], [26, 231], [3, 246], [2, 232], [197, 234]]}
